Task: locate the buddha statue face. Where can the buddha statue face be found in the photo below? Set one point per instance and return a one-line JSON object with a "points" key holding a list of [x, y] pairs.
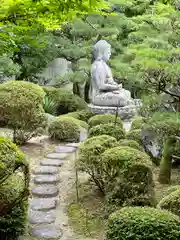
{"points": [[102, 50]]}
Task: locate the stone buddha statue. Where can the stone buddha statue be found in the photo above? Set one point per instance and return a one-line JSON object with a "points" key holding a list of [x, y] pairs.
{"points": [[104, 91]]}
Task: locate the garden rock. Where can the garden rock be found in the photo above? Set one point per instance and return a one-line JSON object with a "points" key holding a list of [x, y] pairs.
{"points": [[45, 170], [41, 217], [46, 179], [51, 162], [45, 191], [43, 204]]}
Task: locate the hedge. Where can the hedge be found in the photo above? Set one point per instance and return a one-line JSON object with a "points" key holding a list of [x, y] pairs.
{"points": [[64, 129], [110, 129], [140, 223], [130, 177], [129, 143], [103, 119], [14, 179], [21, 109], [137, 123], [65, 99], [171, 202]]}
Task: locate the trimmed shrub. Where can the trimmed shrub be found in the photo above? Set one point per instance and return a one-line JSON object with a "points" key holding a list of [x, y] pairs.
{"points": [[66, 100], [135, 135], [83, 115], [129, 174], [142, 223], [129, 143], [82, 124], [137, 123], [171, 202], [14, 184], [103, 119], [173, 189], [110, 129], [90, 159], [64, 129], [21, 109]]}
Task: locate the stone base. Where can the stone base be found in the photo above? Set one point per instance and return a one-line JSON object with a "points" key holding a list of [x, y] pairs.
{"points": [[124, 113]]}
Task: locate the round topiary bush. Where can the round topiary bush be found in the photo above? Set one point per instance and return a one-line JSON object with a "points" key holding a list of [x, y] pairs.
{"points": [[14, 179], [21, 109], [110, 129], [135, 135], [129, 143], [140, 223], [65, 99], [103, 119], [171, 202], [64, 129], [81, 123], [90, 159], [137, 123], [129, 173], [83, 115]]}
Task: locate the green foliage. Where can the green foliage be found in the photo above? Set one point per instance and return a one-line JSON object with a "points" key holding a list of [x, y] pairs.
{"points": [[110, 129], [83, 115], [49, 105], [103, 119], [66, 100], [171, 202], [64, 129], [134, 135], [90, 159], [137, 123], [21, 109], [14, 184], [129, 143], [9, 151], [142, 223], [81, 123], [129, 175]]}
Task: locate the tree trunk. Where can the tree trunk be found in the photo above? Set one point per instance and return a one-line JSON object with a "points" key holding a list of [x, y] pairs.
{"points": [[166, 162]]}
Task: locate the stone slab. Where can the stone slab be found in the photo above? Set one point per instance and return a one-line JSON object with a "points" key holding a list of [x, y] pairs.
{"points": [[57, 155], [65, 149], [51, 162], [75, 145], [46, 179], [37, 217], [45, 191], [124, 113], [45, 170], [46, 232], [43, 204]]}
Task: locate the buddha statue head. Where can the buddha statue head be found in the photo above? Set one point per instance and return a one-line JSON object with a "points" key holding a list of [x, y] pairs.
{"points": [[102, 50]]}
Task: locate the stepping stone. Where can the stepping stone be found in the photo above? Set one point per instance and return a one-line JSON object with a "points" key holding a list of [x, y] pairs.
{"points": [[51, 162], [45, 191], [75, 145], [45, 170], [57, 155], [36, 217], [46, 179], [43, 204], [46, 232], [65, 149]]}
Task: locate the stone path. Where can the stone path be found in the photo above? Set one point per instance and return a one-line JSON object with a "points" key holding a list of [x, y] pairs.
{"points": [[47, 208]]}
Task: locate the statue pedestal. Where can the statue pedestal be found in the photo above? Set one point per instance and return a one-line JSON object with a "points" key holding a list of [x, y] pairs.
{"points": [[124, 113]]}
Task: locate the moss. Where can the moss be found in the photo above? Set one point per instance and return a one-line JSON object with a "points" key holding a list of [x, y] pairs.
{"points": [[129, 143], [110, 129], [83, 222], [64, 129], [137, 123], [103, 119], [66, 100], [171, 202], [142, 223]]}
